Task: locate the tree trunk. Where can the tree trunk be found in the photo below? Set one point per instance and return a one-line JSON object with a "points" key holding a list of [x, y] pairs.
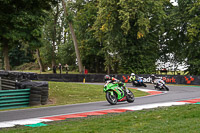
{"points": [[5, 55], [80, 66], [65, 36], [39, 61], [108, 71], [108, 65], [53, 60], [97, 65], [60, 31], [54, 38]]}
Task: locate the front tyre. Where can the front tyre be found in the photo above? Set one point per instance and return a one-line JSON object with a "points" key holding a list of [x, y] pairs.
{"points": [[133, 83], [130, 97], [112, 99], [144, 85], [165, 88], [156, 87]]}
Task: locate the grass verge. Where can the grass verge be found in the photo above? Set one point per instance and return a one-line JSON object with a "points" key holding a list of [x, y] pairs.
{"points": [[175, 119], [70, 93]]}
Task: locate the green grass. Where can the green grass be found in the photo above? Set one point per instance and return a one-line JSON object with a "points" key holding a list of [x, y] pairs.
{"points": [[70, 93], [175, 119]]}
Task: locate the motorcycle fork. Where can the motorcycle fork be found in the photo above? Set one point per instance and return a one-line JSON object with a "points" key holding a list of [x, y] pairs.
{"points": [[120, 93], [112, 93]]}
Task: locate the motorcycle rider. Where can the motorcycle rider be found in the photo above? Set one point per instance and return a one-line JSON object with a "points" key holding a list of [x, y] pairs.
{"points": [[158, 82], [113, 80], [155, 79], [133, 78]]}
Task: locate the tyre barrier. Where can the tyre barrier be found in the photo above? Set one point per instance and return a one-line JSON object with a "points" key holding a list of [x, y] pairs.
{"points": [[38, 96], [15, 75], [10, 80], [39, 92], [7, 84]]}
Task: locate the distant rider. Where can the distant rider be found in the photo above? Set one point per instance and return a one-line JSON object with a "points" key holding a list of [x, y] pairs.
{"points": [[154, 79], [113, 80], [133, 78]]}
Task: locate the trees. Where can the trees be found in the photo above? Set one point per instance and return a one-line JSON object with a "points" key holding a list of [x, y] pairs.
{"points": [[18, 55], [50, 36], [115, 36], [90, 48], [74, 39], [192, 44], [183, 34], [129, 30], [21, 22]]}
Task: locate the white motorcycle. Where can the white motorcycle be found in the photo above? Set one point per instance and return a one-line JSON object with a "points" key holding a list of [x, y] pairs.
{"points": [[159, 84]]}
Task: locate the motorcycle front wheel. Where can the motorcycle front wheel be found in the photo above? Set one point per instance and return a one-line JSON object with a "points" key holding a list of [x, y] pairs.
{"points": [[112, 99], [144, 85], [156, 87], [133, 83], [165, 88], [130, 97]]}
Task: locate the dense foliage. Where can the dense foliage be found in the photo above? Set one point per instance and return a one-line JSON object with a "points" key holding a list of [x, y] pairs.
{"points": [[115, 36], [21, 24]]}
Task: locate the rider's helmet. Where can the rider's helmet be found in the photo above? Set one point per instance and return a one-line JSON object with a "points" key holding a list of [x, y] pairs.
{"points": [[132, 74], [107, 77], [152, 75]]}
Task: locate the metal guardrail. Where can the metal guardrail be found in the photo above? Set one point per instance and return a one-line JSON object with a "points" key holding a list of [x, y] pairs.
{"points": [[14, 98]]}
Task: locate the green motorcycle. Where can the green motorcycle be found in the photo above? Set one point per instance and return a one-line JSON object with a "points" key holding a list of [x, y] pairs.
{"points": [[115, 94]]}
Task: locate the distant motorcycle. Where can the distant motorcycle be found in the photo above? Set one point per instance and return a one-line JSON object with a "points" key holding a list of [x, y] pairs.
{"points": [[139, 82], [159, 84]]}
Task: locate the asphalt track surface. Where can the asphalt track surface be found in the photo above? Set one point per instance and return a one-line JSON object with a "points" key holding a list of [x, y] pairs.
{"points": [[176, 93]]}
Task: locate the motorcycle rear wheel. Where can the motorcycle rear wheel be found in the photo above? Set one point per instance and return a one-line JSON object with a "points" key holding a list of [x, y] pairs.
{"points": [[112, 99], [130, 97]]}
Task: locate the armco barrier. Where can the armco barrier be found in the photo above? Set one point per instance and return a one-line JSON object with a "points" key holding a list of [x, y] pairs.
{"points": [[71, 77], [172, 79], [169, 79], [14, 98]]}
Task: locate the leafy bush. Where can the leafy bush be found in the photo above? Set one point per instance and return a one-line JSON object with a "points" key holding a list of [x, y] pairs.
{"points": [[28, 66]]}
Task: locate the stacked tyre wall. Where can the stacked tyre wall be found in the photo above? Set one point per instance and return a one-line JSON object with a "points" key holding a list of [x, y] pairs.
{"points": [[38, 96], [39, 91], [19, 80], [18, 76]]}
